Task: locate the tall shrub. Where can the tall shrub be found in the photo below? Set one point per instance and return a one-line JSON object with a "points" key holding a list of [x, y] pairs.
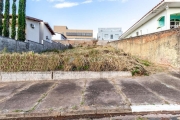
{"points": [[6, 19], [24, 20], [13, 27], [20, 21], [1, 16]]}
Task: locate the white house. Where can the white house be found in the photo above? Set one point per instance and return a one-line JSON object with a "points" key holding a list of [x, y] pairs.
{"points": [[164, 16], [37, 30], [109, 34], [58, 36]]}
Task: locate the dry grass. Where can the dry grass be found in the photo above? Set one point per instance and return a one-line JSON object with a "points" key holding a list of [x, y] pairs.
{"points": [[27, 62], [78, 59]]}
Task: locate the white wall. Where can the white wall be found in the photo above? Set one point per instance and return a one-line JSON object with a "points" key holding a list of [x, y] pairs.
{"points": [[102, 35], [57, 36], [105, 33], [152, 25], [41, 32], [32, 34], [47, 33]]}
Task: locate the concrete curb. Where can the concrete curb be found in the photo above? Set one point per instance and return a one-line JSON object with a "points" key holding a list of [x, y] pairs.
{"points": [[80, 114], [59, 75], [23, 115], [154, 108], [25, 76]]}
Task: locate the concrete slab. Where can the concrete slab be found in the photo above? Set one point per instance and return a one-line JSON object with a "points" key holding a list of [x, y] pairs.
{"points": [[175, 74], [137, 94], [25, 99], [65, 96], [90, 97], [101, 93], [168, 80], [167, 93], [7, 89]]}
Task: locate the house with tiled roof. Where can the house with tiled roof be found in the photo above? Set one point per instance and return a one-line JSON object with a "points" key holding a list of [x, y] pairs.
{"points": [[164, 16]]}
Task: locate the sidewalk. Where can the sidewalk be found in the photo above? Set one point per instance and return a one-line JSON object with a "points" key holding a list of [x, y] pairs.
{"points": [[156, 93]]}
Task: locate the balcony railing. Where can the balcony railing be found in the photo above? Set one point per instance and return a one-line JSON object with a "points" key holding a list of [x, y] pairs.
{"points": [[174, 26]]}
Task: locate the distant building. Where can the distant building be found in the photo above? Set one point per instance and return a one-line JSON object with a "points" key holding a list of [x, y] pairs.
{"points": [[109, 34], [74, 34], [58, 36], [164, 16]]}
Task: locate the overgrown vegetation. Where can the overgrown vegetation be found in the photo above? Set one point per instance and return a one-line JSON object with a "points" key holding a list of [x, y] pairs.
{"points": [[28, 62], [78, 59]]}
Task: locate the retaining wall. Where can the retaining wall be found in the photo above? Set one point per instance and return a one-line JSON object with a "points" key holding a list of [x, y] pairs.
{"points": [[161, 47], [17, 46], [58, 75], [76, 43]]}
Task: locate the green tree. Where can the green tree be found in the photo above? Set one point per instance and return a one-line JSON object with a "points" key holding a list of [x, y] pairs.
{"points": [[6, 19], [13, 26], [1, 16], [24, 20], [20, 21]]}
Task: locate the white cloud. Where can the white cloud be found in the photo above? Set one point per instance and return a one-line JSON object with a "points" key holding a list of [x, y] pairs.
{"points": [[55, 0], [35, 0], [124, 1], [51, 0], [87, 1], [113, 0], [66, 4]]}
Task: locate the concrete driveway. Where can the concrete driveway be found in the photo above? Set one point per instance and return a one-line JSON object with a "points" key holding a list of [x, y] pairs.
{"points": [[90, 96]]}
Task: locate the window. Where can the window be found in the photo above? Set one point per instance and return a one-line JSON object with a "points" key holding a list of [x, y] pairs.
{"points": [[175, 20], [78, 34], [117, 34], [47, 38], [137, 33], [106, 35], [175, 23], [111, 36], [161, 22]]}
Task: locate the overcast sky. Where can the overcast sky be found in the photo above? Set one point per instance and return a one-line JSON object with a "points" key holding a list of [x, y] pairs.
{"points": [[90, 14]]}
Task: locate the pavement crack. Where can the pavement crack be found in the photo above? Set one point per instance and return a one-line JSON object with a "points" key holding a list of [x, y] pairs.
{"points": [[156, 94], [119, 91], [169, 86], [83, 92], [43, 96]]}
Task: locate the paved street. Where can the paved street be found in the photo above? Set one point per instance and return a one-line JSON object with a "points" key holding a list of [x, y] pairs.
{"points": [[89, 96]]}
